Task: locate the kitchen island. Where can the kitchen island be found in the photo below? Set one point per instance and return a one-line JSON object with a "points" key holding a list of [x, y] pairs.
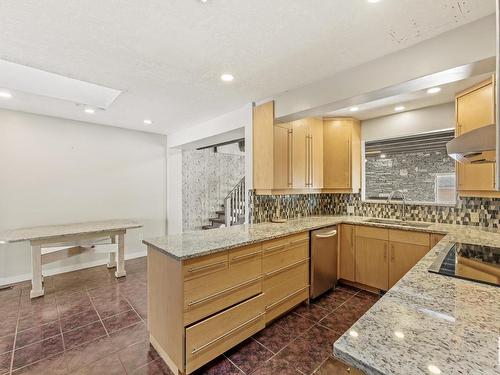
{"points": [[437, 319]]}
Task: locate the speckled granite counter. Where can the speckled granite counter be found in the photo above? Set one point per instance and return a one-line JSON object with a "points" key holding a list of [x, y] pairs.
{"points": [[198, 243], [426, 324], [429, 323]]}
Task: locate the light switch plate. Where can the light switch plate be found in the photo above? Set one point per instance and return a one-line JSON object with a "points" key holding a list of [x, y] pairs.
{"points": [[350, 209], [474, 217]]}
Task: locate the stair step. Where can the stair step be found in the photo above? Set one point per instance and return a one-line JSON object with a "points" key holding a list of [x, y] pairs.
{"points": [[218, 220], [207, 227], [220, 212]]}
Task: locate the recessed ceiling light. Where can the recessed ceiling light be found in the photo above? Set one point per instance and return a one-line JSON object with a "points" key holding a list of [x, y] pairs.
{"points": [[89, 110], [226, 77], [354, 109], [434, 90], [374, 1], [148, 121], [5, 94], [382, 156], [399, 108], [203, 1], [434, 369]]}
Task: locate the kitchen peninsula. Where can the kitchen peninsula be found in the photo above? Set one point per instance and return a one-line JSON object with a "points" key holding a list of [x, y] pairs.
{"points": [[210, 290]]}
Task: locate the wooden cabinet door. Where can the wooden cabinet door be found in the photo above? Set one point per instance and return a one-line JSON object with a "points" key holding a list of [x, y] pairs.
{"points": [[283, 136], [435, 238], [263, 146], [315, 127], [337, 154], [299, 153], [403, 256], [347, 254], [372, 266], [475, 109]]}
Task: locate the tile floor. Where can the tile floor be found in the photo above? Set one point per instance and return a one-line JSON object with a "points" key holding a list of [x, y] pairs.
{"points": [[90, 323]]}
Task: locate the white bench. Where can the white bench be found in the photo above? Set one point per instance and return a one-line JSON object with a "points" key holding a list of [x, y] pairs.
{"points": [[87, 237]]}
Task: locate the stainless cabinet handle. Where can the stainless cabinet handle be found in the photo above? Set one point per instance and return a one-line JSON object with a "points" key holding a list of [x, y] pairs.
{"points": [[282, 269], [280, 301], [275, 248], [228, 333], [290, 157], [385, 251], [245, 256], [393, 255], [299, 241], [206, 266], [222, 292]]}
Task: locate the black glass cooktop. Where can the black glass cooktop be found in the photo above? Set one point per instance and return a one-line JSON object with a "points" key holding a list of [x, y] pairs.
{"points": [[470, 262]]}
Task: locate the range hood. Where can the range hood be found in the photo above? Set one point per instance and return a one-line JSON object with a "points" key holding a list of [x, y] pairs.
{"points": [[476, 147]]}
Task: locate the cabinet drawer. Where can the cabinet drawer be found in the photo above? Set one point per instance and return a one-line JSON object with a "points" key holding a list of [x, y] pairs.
{"points": [[206, 295], [416, 238], [287, 303], [277, 244], [294, 279], [286, 274], [213, 336], [205, 265], [372, 232], [275, 258]]}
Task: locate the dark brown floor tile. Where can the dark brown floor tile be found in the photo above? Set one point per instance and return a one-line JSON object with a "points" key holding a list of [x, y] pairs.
{"points": [[104, 292], [308, 351], [55, 365], [38, 333], [312, 312], [344, 317], [274, 337], [157, 367], [276, 366], [6, 344], [137, 355], [83, 334], [219, 366], [249, 355], [332, 367], [35, 352], [109, 365], [5, 362], [75, 305], [78, 320], [332, 300], [8, 326], [121, 320], [295, 324], [111, 306], [347, 288], [89, 352]]}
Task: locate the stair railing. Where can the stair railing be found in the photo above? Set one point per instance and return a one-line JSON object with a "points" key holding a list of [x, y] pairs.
{"points": [[234, 204]]}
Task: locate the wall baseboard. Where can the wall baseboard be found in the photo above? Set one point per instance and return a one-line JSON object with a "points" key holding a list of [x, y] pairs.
{"points": [[5, 281]]}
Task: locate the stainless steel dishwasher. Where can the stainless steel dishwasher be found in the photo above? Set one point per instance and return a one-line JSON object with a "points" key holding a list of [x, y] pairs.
{"points": [[323, 260]]}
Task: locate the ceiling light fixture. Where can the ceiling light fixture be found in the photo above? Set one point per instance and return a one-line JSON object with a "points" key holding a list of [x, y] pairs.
{"points": [[399, 108], [374, 1], [226, 77], [5, 94], [382, 156], [203, 1], [89, 110], [354, 109], [434, 90], [148, 121]]}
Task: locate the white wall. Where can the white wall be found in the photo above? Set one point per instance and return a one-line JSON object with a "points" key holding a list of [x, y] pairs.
{"points": [[56, 171], [419, 121]]}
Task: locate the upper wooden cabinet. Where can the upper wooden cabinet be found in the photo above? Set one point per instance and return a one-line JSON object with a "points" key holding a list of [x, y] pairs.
{"points": [[263, 146], [283, 170], [342, 155], [475, 108]]}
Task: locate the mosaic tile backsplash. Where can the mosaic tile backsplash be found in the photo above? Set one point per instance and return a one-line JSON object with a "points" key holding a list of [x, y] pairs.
{"points": [[482, 212]]}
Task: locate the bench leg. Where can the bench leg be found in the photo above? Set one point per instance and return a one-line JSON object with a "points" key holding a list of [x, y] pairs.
{"points": [[120, 265], [112, 256], [36, 272]]}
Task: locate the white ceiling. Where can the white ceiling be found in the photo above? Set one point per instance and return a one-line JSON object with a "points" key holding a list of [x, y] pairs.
{"points": [[410, 100], [167, 55]]}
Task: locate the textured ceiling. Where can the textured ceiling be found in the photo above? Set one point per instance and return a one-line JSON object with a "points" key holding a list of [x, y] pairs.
{"points": [[167, 55]]}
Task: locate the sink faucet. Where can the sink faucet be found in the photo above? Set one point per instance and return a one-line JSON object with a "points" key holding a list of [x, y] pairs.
{"points": [[389, 199]]}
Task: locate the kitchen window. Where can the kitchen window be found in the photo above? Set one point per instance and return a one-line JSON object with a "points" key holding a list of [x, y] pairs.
{"points": [[417, 165]]}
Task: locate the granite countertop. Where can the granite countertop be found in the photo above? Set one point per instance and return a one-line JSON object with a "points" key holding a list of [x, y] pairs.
{"points": [[50, 231], [198, 243], [426, 324], [429, 323]]}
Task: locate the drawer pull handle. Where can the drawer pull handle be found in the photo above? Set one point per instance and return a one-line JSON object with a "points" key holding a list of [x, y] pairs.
{"points": [[206, 266], [275, 248], [222, 292], [282, 269], [245, 256], [228, 333], [299, 241], [285, 298]]}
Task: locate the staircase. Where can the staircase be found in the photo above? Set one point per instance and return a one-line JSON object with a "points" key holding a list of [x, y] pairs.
{"points": [[232, 211]]}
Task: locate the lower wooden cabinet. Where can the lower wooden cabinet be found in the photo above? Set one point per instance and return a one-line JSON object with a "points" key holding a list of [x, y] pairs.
{"points": [[371, 262], [403, 256], [347, 253]]}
